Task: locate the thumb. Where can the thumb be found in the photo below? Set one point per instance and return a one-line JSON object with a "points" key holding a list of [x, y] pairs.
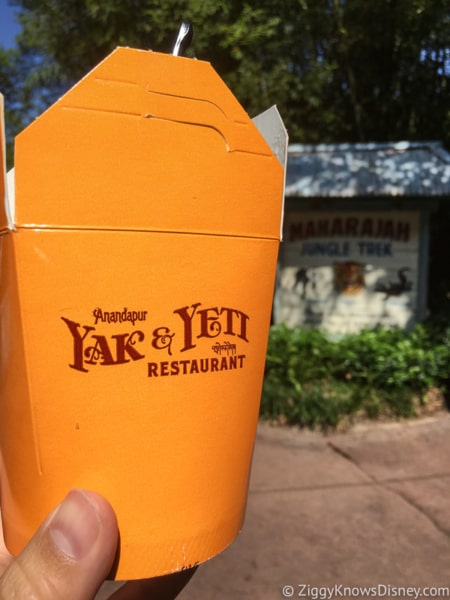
{"points": [[69, 556]]}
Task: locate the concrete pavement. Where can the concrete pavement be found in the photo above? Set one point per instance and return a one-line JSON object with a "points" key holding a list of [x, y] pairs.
{"points": [[326, 515]]}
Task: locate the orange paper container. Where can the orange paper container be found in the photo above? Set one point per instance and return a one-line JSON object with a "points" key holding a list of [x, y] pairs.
{"points": [[137, 272]]}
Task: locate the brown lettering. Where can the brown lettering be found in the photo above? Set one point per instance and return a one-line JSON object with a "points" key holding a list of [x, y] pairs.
{"points": [[337, 227], [310, 229], [367, 228], [187, 321], [78, 353], [296, 231], [125, 345], [351, 226], [322, 228], [209, 322], [403, 232]]}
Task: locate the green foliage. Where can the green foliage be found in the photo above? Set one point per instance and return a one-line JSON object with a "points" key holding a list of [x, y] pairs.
{"points": [[14, 103], [316, 382], [339, 70]]}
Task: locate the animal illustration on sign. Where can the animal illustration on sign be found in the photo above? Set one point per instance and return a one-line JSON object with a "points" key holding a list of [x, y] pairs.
{"points": [[349, 277], [395, 288], [304, 276]]}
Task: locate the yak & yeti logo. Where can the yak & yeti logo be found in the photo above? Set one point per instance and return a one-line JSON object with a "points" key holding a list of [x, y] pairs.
{"points": [[91, 347]]}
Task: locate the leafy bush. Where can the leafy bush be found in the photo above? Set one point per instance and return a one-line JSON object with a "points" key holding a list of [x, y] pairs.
{"points": [[316, 382]]}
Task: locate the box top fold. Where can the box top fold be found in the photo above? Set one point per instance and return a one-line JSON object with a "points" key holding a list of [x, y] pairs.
{"points": [[148, 141]]}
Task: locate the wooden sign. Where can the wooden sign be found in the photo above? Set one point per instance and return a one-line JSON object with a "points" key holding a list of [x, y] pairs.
{"points": [[344, 271]]}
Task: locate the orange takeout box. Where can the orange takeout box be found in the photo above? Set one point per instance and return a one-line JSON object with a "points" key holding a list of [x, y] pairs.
{"points": [[138, 253]]}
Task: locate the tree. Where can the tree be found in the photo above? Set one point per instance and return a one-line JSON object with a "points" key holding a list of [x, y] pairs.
{"points": [[339, 70], [394, 62], [9, 89]]}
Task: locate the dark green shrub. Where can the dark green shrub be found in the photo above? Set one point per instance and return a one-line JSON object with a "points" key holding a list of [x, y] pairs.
{"points": [[315, 382]]}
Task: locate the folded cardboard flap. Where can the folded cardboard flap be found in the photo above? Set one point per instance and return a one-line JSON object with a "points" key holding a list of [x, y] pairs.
{"points": [[151, 100], [271, 126], [93, 158], [10, 198]]}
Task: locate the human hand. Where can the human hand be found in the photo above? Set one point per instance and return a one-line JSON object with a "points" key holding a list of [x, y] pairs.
{"points": [[72, 553]]}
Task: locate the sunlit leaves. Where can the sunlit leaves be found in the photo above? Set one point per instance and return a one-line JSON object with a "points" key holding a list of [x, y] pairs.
{"points": [[339, 70]]}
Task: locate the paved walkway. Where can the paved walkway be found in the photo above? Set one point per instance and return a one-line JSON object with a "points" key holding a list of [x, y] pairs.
{"points": [[365, 509]]}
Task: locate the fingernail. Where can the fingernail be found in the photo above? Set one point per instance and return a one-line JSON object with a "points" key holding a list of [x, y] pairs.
{"points": [[75, 525]]}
